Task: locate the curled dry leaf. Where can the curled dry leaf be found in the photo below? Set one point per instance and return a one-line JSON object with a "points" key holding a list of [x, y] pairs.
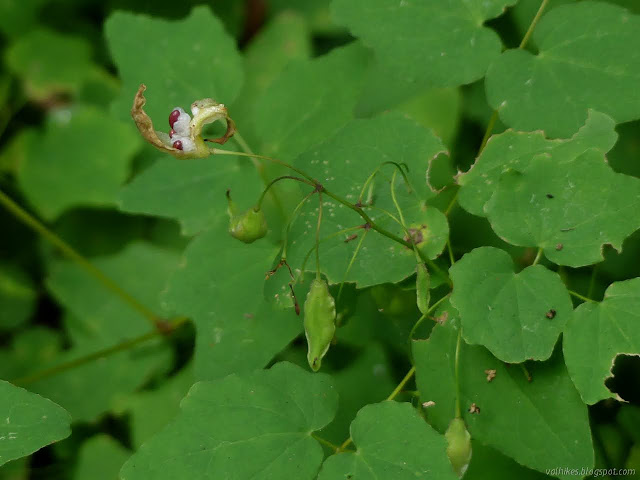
{"points": [[204, 111], [491, 374]]}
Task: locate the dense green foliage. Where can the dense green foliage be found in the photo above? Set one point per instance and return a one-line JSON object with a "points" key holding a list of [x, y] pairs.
{"points": [[417, 257]]}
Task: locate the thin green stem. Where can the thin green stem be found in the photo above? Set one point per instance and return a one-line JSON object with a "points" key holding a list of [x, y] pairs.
{"points": [[375, 172], [391, 396], [592, 280], [218, 151], [344, 202], [450, 250], [527, 375], [494, 115], [273, 182], [328, 237], [294, 215], [335, 448], [457, 372], [425, 315], [29, 220], [488, 131], [351, 262], [402, 383], [451, 204], [318, 235], [120, 347], [538, 257], [582, 297], [533, 24]]}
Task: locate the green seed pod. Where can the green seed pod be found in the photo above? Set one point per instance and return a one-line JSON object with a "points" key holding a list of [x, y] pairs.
{"points": [[459, 449], [248, 226], [422, 288], [319, 322]]}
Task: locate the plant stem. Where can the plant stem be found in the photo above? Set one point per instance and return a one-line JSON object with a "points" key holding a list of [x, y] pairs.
{"points": [[402, 383], [534, 22], [538, 256], [457, 372], [351, 262], [318, 235], [581, 297], [273, 182], [260, 168], [450, 250], [29, 220], [391, 396], [494, 115], [293, 217], [335, 448], [421, 319], [120, 347], [346, 203], [592, 280]]}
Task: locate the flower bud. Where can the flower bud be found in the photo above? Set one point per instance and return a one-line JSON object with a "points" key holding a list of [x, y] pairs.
{"points": [[459, 449]]}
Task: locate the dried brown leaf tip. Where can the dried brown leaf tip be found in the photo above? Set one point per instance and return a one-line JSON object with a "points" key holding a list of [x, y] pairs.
{"points": [[491, 374], [442, 318], [185, 135], [474, 408]]}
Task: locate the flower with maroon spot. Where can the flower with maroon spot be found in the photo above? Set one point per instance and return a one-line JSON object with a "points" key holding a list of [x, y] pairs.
{"points": [[185, 135]]}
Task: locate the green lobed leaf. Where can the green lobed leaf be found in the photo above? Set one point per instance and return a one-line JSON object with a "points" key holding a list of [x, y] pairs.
{"points": [[220, 286], [191, 59], [540, 424], [29, 422], [569, 208], [99, 320], [82, 158], [514, 151], [309, 101], [140, 269], [367, 379], [100, 458], [49, 63], [193, 192], [342, 164], [517, 316], [431, 42], [589, 57], [598, 333], [17, 296], [251, 426], [487, 462], [393, 443], [283, 40], [150, 410]]}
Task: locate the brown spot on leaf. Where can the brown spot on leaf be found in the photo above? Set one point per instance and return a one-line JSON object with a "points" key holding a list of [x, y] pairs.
{"points": [[442, 318], [551, 314], [559, 247], [474, 408], [428, 404], [491, 374]]}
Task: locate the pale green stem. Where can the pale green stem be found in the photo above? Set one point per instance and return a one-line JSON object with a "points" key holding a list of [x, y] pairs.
{"points": [[581, 297], [351, 262], [538, 257], [29, 220], [425, 315], [391, 396], [169, 328], [457, 372]]}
